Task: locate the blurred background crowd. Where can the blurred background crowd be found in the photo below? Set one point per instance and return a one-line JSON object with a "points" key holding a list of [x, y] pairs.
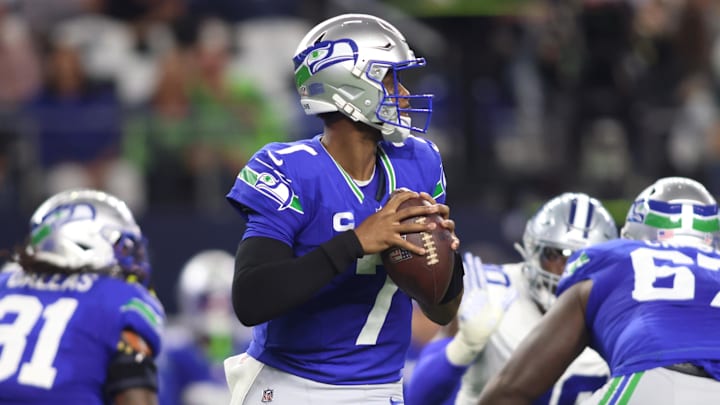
{"points": [[161, 102]]}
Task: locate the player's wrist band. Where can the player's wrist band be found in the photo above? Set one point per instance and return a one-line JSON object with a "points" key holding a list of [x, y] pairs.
{"points": [[456, 283]]}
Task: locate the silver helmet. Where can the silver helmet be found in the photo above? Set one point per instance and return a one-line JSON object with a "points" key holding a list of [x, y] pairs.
{"points": [[340, 66], [674, 209], [204, 292], [566, 223], [88, 230]]}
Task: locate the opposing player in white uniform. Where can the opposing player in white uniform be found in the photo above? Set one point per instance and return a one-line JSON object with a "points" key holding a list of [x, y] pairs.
{"points": [[503, 303]]}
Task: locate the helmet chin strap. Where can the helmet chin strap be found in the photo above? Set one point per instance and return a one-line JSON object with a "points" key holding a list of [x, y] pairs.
{"points": [[390, 133], [396, 134]]}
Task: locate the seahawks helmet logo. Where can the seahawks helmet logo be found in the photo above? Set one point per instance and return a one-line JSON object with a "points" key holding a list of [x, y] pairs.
{"points": [[637, 212], [321, 56]]}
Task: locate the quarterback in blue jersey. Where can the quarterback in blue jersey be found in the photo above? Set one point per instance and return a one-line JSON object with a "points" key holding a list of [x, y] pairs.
{"points": [[331, 325], [77, 324], [649, 303], [502, 303], [203, 335]]}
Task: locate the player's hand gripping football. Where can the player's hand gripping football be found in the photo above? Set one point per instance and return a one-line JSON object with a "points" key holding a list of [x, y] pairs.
{"points": [[385, 228], [480, 313]]}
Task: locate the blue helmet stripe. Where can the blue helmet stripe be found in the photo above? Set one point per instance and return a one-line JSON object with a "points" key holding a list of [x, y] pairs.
{"points": [[673, 209], [588, 220], [581, 214], [573, 207]]}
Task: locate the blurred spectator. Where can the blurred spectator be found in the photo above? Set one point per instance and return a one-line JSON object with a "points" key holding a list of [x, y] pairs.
{"points": [[43, 16], [233, 11], [141, 12], [77, 125], [605, 158], [265, 48], [6, 140], [202, 124], [233, 116], [115, 51], [159, 138], [19, 62], [604, 88]]}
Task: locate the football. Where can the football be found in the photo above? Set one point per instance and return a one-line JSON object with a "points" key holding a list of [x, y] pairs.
{"points": [[424, 278]]}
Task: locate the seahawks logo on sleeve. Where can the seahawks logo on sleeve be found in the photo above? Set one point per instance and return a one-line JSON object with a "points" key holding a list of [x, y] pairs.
{"points": [[270, 182], [273, 185], [574, 265]]}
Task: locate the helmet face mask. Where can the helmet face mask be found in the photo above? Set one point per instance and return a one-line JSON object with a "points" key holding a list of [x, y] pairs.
{"points": [[566, 223], [132, 256], [674, 209], [88, 231], [341, 64]]}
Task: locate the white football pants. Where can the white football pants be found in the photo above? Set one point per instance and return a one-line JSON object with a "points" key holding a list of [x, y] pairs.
{"points": [[254, 383]]}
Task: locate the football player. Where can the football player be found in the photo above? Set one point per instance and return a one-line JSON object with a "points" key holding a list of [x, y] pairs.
{"points": [[331, 326], [77, 323], [502, 303], [648, 303], [204, 333]]}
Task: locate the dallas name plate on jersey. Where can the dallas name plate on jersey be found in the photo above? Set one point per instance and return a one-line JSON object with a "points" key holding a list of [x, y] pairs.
{"points": [[424, 278]]}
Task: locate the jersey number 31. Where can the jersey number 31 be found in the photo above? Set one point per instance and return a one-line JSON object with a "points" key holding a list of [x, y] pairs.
{"points": [[39, 371]]}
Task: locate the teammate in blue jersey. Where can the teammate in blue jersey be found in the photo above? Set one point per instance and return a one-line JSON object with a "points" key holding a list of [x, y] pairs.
{"points": [[331, 326], [77, 324], [502, 303], [204, 333], [649, 303]]}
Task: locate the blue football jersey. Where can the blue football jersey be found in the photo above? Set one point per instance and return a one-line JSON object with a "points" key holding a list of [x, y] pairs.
{"points": [[651, 304], [58, 334], [356, 330]]}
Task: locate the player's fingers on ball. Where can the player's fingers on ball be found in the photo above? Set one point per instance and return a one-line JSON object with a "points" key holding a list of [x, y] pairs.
{"points": [[416, 226], [397, 198], [416, 211], [443, 210], [427, 197], [400, 190], [448, 224], [455, 243], [410, 246]]}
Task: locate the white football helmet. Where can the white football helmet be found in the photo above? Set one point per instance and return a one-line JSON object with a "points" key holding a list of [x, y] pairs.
{"points": [[204, 293], [674, 209], [340, 65], [566, 223], [88, 230]]}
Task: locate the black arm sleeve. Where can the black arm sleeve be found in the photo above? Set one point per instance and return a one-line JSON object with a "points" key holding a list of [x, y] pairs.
{"points": [[269, 280]]}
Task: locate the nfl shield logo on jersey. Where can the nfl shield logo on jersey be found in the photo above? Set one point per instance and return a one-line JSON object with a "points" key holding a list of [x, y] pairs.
{"points": [[267, 395]]}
